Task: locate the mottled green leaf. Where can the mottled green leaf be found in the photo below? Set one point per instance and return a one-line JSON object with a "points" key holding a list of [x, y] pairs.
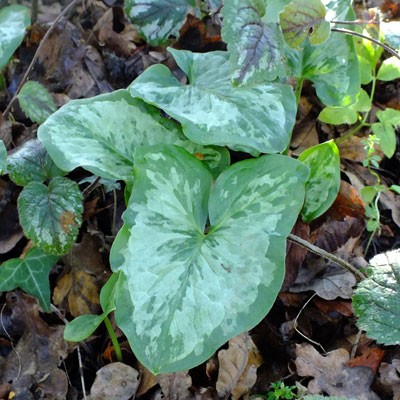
{"points": [[193, 286], [112, 126], [3, 157], [212, 111], [376, 300], [389, 69], [157, 20], [30, 273], [36, 102], [333, 65], [323, 184], [30, 162], [302, 19], [51, 216], [387, 137], [13, 22], [254, 45]]}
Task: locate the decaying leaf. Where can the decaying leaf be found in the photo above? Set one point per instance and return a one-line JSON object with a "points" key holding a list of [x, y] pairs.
{"points": [[176, 386], [331, 374], [115, 381], [32, 368], [238, 367], [390, 377]]}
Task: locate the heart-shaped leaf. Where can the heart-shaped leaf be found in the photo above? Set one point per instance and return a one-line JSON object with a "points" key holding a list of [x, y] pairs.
{"points": [[112, 126], [158, 19], [14, 20], [36, 102], [333, 65], [302, 19], [253, 119], [323, 184], [51, 216], [30, 273], [253, 44], [193, 286], [376, 300]]}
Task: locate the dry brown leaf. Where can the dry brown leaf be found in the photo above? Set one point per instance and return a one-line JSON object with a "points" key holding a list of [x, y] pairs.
{"points": [[370, 357], [353, 149], [147, 380], [331, 374], [176, 386], [32, 368], [390, 377], [238, 367], [115, 381]]}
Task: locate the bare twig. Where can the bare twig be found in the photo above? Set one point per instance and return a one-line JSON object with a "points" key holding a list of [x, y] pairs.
{"points": [[35, 57], [322, 253]]}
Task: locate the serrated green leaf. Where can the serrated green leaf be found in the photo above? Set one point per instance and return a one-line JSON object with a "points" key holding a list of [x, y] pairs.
{"points": [[376, 300], [384, 131], [254, 45], [333, 65], [51, 216], [3, 157], [157, 20], [323, 184], [211, 111], [193, 290], [14, 20], [36, 102], [30, 162], [112, 126], [31, 274], [302, 19], [338, 115], [390, 116], [389, 69]]}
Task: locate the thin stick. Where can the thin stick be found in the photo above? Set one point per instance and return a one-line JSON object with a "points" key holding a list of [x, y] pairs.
{"points": [[322, 253], [377, 42], [35, 57]]}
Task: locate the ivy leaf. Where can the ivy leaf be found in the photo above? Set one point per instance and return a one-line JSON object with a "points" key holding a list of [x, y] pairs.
{"points": [[158, 19], [376, 300], [193, 290], [253, 44], [333, 65], [112, 125], [14, 20], [51, 216], [36, 102], [3, 157], [211, 111], [323, 184], [302, 19], [31, 274]]}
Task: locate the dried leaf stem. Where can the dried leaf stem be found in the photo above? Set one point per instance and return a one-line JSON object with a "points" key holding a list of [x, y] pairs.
{"points": [[322, 253]]}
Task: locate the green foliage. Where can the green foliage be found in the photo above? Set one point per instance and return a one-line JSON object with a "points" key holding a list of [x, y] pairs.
{"points": [[323, 183], [13, 22], [36, 102], [280, 391], [376, 300], [384, 130], [389, 69], [3, 157], [30, 273]]}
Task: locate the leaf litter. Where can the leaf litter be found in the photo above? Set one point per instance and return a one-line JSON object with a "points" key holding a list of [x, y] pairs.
{"points": [[95, 51]]}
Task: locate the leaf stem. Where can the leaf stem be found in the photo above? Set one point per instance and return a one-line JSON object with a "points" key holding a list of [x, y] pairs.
{"points": [[113, 338], [322, 253]]}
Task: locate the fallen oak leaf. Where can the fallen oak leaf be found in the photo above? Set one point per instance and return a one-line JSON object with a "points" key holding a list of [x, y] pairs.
{"points": [[176, 385]]}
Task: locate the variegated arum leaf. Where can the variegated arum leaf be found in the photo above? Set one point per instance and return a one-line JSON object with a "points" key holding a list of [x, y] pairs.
{"points": [[302, 19], [3, 157], [30, 273], [51, 215], [157, 20], [376, 300], [112, 125], [36, 102], [254, 45], [192, 285], [254, 119], [14, 20], [323, 183], [83, 326], [31, 163], [333, 65]]}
